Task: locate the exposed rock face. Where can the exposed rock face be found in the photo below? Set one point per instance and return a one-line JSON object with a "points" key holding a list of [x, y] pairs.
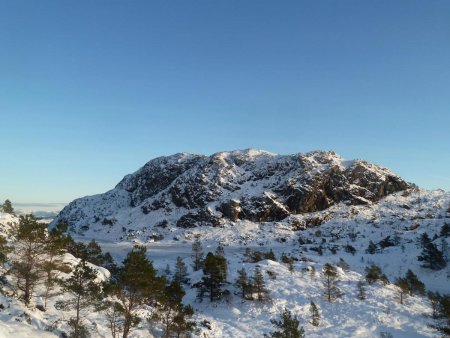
{"points": [[192, 190]]}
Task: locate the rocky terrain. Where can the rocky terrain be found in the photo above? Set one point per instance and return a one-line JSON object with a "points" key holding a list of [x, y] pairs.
{"points": [[187, 191]]}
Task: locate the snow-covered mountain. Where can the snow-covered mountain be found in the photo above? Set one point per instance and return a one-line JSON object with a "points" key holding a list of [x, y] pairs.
{"points": [[314, 208], [186, 191]]}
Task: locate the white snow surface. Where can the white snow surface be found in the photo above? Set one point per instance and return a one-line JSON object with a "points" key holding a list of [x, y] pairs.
{"points": [[346, 317]]}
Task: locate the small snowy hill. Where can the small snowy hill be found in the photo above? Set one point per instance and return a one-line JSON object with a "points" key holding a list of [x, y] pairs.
{"points": [[186, 191]]}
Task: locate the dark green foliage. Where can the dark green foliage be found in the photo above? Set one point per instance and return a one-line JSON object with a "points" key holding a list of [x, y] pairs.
{"points": [[214, 277], [374, 274], [270, 255], [7, 207], [415, 286], [434, 298], [289, 261], [243, 284], [180, 274], [343, 264], [220, 251], [29, 248], [92, 253], [371, 248], [350, 249], [445, 230], [4, 250], [330, 280], [288, 326], [361, 288], [441, 311], [197, 254], [171, 313], [403, 290], [315, 315], [55, 247], [259, 285], [432, 257], [424, 240], [84, 291], [255, 256], [387, 242], [136, 284]]}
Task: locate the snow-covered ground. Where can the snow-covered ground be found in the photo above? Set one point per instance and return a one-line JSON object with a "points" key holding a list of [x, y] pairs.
{"points": [[425, 211]]}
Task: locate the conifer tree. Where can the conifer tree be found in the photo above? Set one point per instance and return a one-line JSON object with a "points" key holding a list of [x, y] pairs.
{"points": [[243, 284], [29, 248], [330, 278], [197, 253], [214, 277], [180, 274], [374, 273], [135, 285], [424, 240], [4, 250], [288, 326], [361, 290], [54, 249], [414, 284], [259, 284], [431, 257], [7, 207], [403, 288], [315, 315], [94, 253], [85, 293], [445, 230], [371, 248], [172, 313]]}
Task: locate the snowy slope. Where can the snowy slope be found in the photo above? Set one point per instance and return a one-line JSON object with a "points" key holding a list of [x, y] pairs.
{"points": [[258, 200], [185, 190]]}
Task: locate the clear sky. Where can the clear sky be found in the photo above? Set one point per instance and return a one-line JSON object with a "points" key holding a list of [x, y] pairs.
{"points": [[92, 90]]}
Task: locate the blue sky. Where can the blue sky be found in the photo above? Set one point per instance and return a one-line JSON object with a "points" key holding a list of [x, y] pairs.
{"points": [[91, 90]]}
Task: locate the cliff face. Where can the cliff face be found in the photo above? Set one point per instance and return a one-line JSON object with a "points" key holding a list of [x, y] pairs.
{"points": [[189, 190]]}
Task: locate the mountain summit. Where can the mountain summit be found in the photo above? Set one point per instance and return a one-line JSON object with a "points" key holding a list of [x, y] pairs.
{"points": [[187, 190]]}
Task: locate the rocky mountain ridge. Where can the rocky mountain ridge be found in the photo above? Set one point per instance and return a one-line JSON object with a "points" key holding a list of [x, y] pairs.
{"points": [[187, 190]]}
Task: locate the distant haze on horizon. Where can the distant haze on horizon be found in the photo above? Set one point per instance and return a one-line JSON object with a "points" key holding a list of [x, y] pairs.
{"points": [[90, 93]]}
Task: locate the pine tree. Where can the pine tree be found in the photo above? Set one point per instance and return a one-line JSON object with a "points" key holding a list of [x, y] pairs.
{"points": [[243, 283], [431, 257], [197, 253], [315, 315], [424, 240], [414, 284], [4, 250], [172, 313], [29, 249], [85, 293], [220, 251], [288, 326], [259, 285], [361, 290], [55, 247], [371, 248], [214, 276], [403, 288], [374, 273], [135, 285], [8, 208], [180, 274], [444, 249], [94, 253], [330, 277], [445, 230]]}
